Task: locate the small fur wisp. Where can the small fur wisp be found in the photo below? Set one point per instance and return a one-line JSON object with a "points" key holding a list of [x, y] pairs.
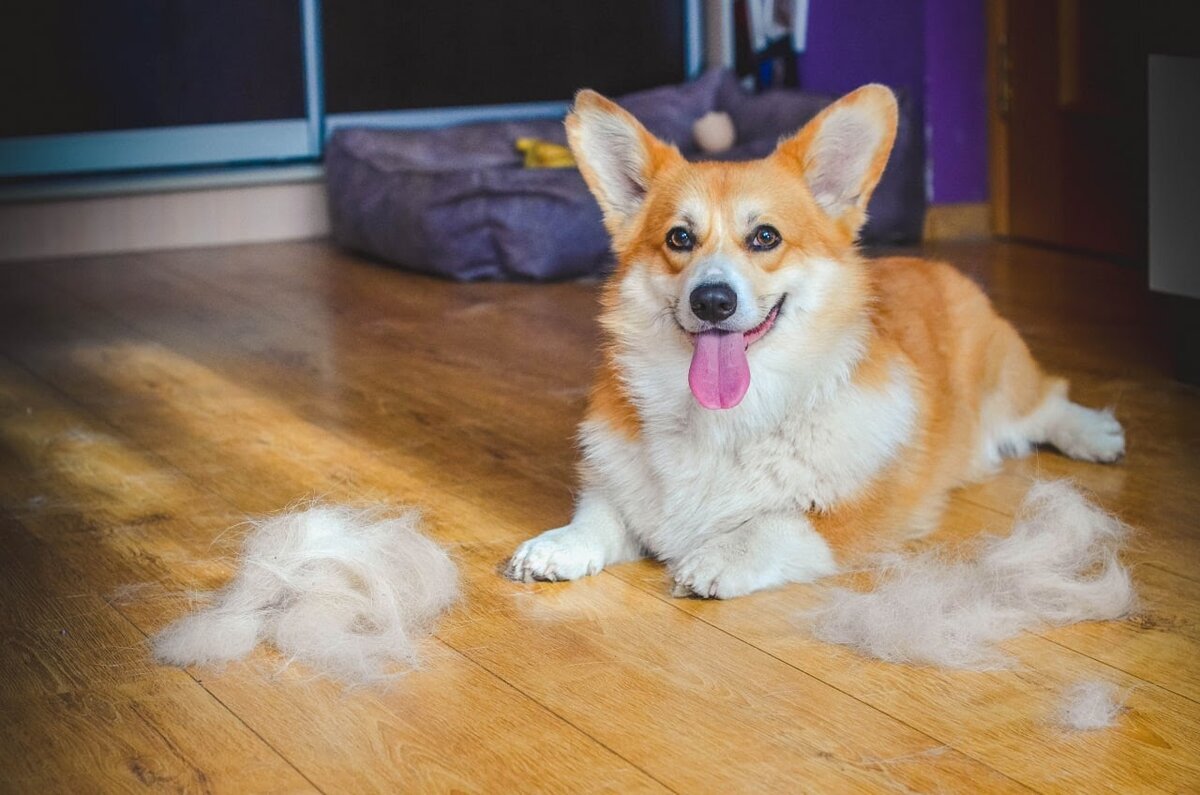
{"points": [[1059, 565], [349, 592], [1090, 705]]}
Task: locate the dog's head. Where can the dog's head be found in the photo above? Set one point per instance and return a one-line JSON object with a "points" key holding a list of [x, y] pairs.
{"points": [[717, 260]]}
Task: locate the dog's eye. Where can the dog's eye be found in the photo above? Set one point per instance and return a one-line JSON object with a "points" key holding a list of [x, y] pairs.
{"points": [[764, 238], [680, 239]]}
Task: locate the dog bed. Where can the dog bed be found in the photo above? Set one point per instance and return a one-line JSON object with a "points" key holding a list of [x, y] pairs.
{"points": [[456, 202]]}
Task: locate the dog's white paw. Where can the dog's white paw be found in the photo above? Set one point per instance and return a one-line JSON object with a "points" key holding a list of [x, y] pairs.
{"points": [[1089, 435], [724, 571], [561, 554], [766, 553]]}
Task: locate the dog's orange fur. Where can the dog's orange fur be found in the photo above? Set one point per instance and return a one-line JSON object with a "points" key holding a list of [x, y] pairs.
{"points": [[924, 313], [964, 353]]}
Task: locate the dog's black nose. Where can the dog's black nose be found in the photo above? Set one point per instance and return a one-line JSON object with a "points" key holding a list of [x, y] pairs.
{"points": [[713, 302]]}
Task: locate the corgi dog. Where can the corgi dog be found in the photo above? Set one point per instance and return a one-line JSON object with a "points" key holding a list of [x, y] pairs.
{"points": [[771, 404]]}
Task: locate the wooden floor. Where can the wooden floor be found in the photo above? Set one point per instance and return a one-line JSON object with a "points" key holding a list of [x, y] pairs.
{"points": [[150, 402]]}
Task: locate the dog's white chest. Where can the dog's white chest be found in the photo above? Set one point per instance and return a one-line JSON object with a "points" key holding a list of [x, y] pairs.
{"points": [[711, 472]]}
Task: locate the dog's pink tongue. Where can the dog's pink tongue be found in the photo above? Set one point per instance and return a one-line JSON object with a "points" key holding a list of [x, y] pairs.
{"points": [[720, 374]]}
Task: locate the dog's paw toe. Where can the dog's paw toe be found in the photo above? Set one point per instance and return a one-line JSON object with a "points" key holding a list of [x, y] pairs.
{"points": [[1108, 440]]}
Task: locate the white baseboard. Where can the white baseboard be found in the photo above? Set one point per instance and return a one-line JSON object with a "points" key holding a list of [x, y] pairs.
{"points": [[200, 215]]}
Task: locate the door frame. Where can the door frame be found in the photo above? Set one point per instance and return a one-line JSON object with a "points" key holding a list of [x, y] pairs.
{"points": [[999, 98]]}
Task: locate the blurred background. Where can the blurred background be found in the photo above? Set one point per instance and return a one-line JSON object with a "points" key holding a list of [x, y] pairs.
{"points": [[135, 125]]}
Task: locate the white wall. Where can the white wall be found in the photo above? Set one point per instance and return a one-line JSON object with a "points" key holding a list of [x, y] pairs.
{"points": [[1175, 175], [184, 217]]}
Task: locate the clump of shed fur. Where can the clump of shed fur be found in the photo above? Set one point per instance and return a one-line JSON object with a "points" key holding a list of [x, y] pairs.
{"points": [[349, 592], [1059, 565]]}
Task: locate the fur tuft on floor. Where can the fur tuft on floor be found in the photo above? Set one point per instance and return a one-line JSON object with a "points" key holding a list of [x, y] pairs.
{"points": [[1090, 705], [1059, 565], [349, 592]]}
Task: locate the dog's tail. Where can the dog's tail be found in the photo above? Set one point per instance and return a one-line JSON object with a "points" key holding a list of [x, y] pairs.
{"points": [[1059, 565]]}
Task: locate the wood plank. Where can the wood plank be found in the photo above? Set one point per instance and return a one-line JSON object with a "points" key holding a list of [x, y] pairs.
{"points": [[122, 517], [85, 711], [607, 650], [1004, 718]]}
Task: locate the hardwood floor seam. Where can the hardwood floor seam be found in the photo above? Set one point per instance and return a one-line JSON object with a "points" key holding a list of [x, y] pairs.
{"points": [[118, 614], [69, 399]]}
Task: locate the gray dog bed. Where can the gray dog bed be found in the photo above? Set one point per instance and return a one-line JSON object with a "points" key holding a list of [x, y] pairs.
{"points": [[457, 202]]}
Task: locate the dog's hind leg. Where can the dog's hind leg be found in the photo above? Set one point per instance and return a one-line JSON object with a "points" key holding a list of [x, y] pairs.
{"points": [[1076, 431], [595, 538], [1026, 407], [1032, 409]]}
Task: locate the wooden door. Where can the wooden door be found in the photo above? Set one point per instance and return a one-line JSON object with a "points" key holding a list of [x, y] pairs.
{"points": [[1069, 159]]}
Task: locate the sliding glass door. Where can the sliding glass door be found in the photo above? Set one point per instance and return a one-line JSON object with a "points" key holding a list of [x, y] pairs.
{"points": [[128, 85], [133, 84]]}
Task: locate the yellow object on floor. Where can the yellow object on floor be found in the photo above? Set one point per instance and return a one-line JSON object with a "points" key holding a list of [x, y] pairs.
{"points": [[544, 154]]}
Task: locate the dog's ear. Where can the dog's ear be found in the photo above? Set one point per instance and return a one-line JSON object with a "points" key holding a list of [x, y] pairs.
{"points": [[616, 155], [842, 152]]}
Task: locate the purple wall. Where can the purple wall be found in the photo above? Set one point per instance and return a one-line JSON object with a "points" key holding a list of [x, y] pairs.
{"points": [[956, 99], [851, 42], [934, 50]]}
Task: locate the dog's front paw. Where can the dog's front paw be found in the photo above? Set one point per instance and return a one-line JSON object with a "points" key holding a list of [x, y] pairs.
{"points": [[767, 553], [723, 571], [560, 554]]}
